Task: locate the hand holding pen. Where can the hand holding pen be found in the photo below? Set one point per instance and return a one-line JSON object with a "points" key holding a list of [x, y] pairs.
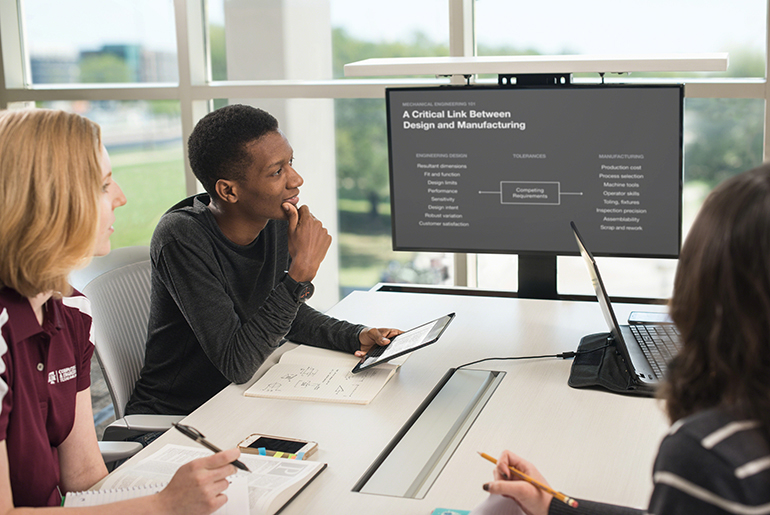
{"points": [[529, 502], [196, 435]]}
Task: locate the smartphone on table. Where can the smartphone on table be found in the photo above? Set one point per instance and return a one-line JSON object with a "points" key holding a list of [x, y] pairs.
{"points": [[277, 445]]}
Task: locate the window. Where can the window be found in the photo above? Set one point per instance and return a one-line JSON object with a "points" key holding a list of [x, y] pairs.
{"points": [[120, 64], [113, 42], [612, 27], [144, 141], [366, 255], [723, 137]]}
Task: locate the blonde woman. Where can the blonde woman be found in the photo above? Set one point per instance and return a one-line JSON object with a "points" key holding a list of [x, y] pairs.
{"points": [[57, 202]]}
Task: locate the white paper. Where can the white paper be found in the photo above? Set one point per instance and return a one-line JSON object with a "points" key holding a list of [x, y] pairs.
{"points": [[309, 373], [268, 479]]}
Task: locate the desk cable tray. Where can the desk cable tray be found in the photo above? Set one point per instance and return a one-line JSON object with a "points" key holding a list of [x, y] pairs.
{"points": [[414, 458]]}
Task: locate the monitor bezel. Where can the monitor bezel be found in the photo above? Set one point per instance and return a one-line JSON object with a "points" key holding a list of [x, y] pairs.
{"points": [[513, 87]]}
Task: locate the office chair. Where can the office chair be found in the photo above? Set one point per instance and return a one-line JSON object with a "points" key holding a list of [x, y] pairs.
{"points": [[118, 286], [113, 452]]}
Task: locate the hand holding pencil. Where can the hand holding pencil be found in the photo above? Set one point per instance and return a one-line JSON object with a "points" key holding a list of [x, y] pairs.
{"points": [[520, 480]]}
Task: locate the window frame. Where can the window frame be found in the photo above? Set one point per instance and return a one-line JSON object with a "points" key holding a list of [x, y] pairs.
{"points": [[196, 92]]}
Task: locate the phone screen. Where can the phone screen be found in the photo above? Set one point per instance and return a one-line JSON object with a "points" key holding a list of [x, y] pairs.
{"points": [[274, 444]]}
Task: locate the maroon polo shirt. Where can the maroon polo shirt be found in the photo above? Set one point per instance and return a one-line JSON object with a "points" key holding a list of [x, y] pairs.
{"points": [[41, 371]]}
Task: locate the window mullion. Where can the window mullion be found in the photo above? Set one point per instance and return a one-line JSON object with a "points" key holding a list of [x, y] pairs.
{"points": [[11, 49]]}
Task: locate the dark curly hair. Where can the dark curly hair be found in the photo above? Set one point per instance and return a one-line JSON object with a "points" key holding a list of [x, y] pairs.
{"points": [[217, 145], [721, 305]]}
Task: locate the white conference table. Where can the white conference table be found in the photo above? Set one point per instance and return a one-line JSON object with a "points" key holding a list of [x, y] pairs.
{"points": [[588, 443]]}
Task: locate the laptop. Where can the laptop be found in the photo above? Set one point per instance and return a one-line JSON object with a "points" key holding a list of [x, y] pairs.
{"points": [[646, 347]]}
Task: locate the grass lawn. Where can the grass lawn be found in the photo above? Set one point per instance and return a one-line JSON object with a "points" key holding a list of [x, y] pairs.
{"points": [[363, 258], [153, 181]]}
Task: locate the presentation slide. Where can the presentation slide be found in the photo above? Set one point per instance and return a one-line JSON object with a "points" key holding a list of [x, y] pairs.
{"points": [[496, 169]]}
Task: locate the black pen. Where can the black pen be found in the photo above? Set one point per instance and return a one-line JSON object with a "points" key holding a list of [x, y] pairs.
{"points": [[196, 435]]}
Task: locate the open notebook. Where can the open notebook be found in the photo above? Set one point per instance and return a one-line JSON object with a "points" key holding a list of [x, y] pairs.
{"points": [[314, 374], [272, 483]]}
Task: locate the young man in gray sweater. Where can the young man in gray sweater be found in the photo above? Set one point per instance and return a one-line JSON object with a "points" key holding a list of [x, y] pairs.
{"points": [[231, 269]]}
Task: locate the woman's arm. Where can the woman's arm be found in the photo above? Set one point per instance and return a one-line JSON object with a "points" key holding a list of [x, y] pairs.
{"points": [[198, 487], [80, 460]]}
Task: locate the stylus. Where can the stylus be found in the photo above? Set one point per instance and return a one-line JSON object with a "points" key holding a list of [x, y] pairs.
{"points": [[196, 435]]}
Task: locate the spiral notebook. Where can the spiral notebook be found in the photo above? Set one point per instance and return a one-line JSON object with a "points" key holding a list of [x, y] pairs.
{"points": [[271, 484], [97, 497], [237, 496]]}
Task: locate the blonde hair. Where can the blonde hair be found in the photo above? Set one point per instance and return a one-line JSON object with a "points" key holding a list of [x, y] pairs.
{"points": [[50, 181]]}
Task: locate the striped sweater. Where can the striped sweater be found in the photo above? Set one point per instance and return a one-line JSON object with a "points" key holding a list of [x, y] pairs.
{"points": [[709, 463]]}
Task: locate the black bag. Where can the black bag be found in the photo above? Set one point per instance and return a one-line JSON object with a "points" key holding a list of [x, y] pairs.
{"points": [[598, 363]]}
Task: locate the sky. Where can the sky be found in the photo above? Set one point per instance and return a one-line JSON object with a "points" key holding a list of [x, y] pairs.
{"points": [[550, 26], [72, 25]]}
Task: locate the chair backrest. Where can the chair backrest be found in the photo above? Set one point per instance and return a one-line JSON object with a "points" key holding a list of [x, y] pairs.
{"points": [[118, 286]]}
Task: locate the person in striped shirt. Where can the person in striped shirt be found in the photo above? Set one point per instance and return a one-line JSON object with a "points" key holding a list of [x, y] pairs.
{"points": [[716, 457]]}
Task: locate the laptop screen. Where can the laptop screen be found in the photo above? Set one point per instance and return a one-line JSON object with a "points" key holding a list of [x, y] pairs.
{"points": [[596, 280]]}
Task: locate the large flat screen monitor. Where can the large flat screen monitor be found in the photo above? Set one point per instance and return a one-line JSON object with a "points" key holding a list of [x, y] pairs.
{"points": [[505, 169]]}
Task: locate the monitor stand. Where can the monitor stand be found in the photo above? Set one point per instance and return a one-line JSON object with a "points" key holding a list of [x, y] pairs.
{"points": [[537, 272], [537, 276]]}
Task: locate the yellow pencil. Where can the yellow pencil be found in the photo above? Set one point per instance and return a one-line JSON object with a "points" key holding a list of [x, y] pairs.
{"points": [[560, 496]]}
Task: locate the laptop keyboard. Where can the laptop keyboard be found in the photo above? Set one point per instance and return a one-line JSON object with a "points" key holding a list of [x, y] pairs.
{"points": [[659, 343]]}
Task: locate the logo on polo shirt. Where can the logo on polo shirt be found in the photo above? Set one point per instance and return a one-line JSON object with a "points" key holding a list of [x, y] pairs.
{"points": [[62, 375]]}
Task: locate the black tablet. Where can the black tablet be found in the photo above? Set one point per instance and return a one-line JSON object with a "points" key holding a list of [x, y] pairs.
{"points": [[405, 342]]}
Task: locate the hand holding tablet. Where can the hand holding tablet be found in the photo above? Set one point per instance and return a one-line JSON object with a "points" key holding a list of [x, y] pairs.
{"points": [[405, 342]]}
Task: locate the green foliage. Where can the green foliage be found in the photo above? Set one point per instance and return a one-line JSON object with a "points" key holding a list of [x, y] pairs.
{"points": [[347, 49], [165, 107], [726, 138], [723, 136], [362, 163], [218, 52], [746, 63], [362, 153], [104, 68], [504, 50]]}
